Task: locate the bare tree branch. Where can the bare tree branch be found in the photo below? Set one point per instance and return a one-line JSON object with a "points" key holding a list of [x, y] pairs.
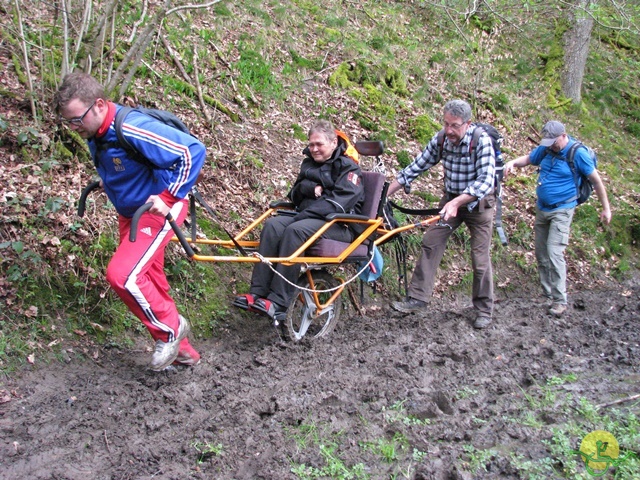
{"points": [[27, 67], [176, 60], [139, 22], [191, 7], [203, 105], [65, 44]]}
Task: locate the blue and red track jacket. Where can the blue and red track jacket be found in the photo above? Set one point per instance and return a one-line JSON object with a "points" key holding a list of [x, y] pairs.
{"points": [[177, 156]]}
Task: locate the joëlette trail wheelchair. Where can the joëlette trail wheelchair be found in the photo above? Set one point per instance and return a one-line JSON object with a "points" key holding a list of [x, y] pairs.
{"points": [[315, 311]]}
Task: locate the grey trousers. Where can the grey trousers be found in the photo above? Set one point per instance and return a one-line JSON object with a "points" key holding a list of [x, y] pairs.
{"points": [[434, 242], [280, 237], [552, 231]]}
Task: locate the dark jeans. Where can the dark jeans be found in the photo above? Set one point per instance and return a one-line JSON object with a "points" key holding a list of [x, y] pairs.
{"points": [[280, 237]]}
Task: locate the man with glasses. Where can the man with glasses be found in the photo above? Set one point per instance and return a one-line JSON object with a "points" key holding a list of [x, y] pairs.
{"points": [[468, 198], [556, 203], [136, 270]]}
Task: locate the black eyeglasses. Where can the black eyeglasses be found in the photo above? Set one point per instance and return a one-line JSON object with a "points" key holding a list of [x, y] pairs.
{"points": [[77, 121]]}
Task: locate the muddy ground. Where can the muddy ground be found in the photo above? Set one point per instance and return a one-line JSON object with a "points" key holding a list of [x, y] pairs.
{"points": [[384, 396]]}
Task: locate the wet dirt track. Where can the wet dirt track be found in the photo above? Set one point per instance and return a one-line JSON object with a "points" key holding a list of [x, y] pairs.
{"points": [[430, 380]]}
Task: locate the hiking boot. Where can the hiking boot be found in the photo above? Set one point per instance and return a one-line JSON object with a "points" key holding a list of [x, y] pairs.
{"points": [[411, 305], [482, 321], [557, 309], [245, 301], [166, 352], [269, 308]]}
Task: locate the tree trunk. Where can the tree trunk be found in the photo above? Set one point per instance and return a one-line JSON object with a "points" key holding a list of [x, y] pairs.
{"points": [[576, 48]]}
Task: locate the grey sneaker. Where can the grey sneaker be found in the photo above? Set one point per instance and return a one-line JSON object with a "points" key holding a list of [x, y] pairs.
{"points": [[187, 359], [410, 305], [557, 309], [482, 321], [166, 352]]}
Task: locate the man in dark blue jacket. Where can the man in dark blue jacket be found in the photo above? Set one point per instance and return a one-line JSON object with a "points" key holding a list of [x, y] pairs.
{"points": [[136, 271]]}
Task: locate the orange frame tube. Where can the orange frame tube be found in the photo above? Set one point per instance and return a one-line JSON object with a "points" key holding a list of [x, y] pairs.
{"points": [[373, 226]]}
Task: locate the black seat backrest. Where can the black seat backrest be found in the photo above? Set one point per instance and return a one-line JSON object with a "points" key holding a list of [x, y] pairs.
{"points": [[370, 148], [373, 183]]}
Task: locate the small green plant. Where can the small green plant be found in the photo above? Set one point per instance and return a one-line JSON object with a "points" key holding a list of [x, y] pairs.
{"points": [[556, 381], [396, 413], [299, 133], [387, 449], [404, 158], [418, 455], [256, 75], [466, 392], [588, 410], [206, 450], [531, 420], [478, 459], [334, 467]]}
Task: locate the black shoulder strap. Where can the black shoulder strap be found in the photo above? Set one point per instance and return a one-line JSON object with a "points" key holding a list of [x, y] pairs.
{"points": [[475, 138], [120, 118], [134, 154], [570, 155], [440, 142], [572, 152]]}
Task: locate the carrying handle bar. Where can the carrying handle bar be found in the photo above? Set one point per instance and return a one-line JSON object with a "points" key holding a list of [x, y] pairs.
{"points": [[82, 203], [133, 233]]}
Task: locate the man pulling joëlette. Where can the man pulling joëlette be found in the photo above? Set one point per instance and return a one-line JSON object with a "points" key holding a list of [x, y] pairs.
{"points": [[136, 270], [468, 198]]}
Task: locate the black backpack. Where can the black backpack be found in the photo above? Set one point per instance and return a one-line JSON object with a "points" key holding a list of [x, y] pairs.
{"points": [[496, 142], [165, 117], [583, 184]]}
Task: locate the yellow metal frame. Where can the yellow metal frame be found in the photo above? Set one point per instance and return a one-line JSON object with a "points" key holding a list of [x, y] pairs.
{"points": [[316, 298], [374, 228]]}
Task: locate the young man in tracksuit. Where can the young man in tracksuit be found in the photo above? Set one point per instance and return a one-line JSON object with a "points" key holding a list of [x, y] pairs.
{"points": [[136, 271]]}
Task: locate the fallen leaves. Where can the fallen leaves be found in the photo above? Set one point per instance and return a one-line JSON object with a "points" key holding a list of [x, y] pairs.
{"points": [[5, 396]]}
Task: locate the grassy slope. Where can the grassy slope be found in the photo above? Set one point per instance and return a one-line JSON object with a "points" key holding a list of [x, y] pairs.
{"points": [[379, 70]]}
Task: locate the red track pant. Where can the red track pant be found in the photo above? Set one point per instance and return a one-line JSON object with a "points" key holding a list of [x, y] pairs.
{"points": [[136, 273]]}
